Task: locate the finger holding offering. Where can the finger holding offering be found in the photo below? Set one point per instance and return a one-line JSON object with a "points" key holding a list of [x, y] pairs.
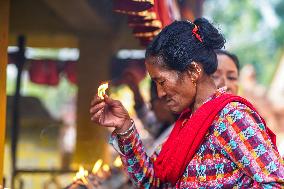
{"points": [[108, 112]]}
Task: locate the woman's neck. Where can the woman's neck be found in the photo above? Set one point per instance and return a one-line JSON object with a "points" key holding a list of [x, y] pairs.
{"points": [[205, 88]]}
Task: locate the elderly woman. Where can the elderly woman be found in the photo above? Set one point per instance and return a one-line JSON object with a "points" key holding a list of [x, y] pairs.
{"points": [[219, 140]]}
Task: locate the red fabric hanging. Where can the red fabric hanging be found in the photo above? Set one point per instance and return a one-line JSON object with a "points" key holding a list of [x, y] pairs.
{"points": [[70, 71], [156, 9], [164, 12], [44, 72]]}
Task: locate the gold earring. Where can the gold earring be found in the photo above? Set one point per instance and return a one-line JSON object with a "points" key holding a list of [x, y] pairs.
{"points": [[193, 81], [198, 70]]}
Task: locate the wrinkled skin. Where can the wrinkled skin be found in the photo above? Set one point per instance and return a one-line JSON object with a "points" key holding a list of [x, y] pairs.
{"points": [[176, 88]]}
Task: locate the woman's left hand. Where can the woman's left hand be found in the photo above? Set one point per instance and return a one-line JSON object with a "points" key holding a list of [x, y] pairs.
{"points": [[109, 113]]}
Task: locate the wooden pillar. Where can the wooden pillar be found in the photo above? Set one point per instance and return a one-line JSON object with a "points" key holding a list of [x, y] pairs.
{"points": [[93, 68], [4, 25], [15, 126]]}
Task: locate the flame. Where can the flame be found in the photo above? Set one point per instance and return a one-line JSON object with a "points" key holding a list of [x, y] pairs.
{"points": [[117, 162], [102, 90], [106, 168], [81, 174], [97, 166]]}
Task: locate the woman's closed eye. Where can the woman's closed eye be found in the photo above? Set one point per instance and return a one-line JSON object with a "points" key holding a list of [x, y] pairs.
{"points": [[232, 78], [215, 76], [162, 82]]}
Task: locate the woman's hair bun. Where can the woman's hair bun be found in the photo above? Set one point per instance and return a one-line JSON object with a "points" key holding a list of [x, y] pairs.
{"points": [[184, 42], [210, 35]]}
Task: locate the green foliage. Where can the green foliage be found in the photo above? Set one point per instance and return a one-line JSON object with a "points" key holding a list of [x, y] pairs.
{"points": [[278, 32]]}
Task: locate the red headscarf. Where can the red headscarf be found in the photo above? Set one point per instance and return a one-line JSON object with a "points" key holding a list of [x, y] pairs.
{"points": [[187, 136]]}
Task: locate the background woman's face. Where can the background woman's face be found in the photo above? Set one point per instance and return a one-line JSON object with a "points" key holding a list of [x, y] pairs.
{"points": [[175, 88], [226, 74]]}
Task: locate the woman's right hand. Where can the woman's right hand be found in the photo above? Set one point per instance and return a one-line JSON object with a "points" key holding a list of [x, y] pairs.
{"points": [[110, 113]]}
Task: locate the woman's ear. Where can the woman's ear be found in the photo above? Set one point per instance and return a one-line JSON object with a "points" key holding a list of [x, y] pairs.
{"points": [[195, 71]]}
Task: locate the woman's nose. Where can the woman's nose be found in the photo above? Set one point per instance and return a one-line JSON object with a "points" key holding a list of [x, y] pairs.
{"points": [[221, 82], [161, 91]]}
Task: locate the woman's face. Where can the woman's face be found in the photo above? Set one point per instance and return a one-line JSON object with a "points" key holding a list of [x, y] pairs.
{"points": [[226, 74], [175, 88]]}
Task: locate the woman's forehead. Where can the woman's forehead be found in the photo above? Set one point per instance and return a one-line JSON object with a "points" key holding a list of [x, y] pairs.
{"points": [[158, 72], [226, 63], [155, 70], [155, 60]]}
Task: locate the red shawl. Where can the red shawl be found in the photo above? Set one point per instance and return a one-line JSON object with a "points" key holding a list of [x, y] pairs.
{"points": [[187, 136]]}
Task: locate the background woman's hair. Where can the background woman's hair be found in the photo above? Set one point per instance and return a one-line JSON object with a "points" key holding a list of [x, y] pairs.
{"points": [[231, 56], [179, 47]]}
